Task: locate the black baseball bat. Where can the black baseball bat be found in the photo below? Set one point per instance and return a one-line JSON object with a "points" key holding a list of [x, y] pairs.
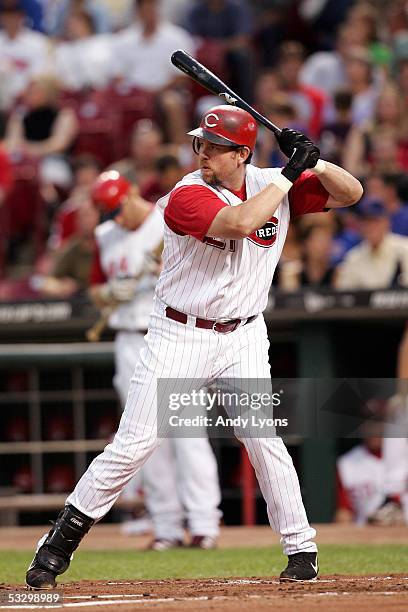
{"points": [[199, 73]]}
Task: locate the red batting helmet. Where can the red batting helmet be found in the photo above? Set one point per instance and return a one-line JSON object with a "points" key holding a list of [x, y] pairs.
{"points": [[227, 125], [109, 189]]}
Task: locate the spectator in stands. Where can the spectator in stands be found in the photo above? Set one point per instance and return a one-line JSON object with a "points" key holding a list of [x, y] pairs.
{"points": [[381, 141], [57, 13], [84, 59], [386, 189], [314, 269], [175, 11], [360, 482], [266, 89], [6, 171], [72, 265], [334, 133], [146, 147], [168, 172], [270, 20], [34, 11], [402, 78], [381, 260], [308, 101], [318, 21], [326, 69], [281, 111], [141, 59], [362, 18], [119, 13], [23, 53], [42, 128], [229, 23], [85, 170], [360, 80]]}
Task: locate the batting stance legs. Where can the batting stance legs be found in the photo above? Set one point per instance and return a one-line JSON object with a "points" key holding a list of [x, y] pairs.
{"points": [[181, 477], [176, 351]]}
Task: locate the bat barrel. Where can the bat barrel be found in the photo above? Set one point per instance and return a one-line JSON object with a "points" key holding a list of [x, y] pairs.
{"points": [[202, 75]]}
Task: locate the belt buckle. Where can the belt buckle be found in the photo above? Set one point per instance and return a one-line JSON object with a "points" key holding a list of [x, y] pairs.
{"points": [[224, 322]]}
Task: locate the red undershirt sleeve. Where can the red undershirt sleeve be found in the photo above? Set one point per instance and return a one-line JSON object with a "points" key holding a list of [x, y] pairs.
{"points": [[307, 195], [191, 210]]}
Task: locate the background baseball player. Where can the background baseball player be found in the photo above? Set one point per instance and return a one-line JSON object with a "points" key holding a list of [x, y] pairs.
{"points": [[182, 474], [225, 228]]}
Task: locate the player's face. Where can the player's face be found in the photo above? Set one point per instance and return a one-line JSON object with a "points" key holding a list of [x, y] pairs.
{"points": [[131, 210], [218, 162], [374, 230]]}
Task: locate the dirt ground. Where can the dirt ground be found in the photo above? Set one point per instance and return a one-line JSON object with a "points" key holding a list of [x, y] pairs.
{"points": [[328, 594]]}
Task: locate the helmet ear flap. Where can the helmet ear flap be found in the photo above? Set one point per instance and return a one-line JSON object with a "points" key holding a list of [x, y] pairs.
{"points": [[195, 145]]}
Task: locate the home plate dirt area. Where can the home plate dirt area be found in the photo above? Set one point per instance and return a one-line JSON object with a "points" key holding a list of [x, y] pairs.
{"points": [[367, 592]]}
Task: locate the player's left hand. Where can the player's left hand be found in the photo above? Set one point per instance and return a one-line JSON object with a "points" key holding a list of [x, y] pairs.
{"points": [[288, 139], [123, 289]]}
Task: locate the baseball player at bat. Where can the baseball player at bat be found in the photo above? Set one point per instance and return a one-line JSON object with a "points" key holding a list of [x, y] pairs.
{"points": [[181, 477], [225, 227]]}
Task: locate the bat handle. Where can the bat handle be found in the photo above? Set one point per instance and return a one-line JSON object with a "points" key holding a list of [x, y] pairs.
{"points": [[94, 333]]}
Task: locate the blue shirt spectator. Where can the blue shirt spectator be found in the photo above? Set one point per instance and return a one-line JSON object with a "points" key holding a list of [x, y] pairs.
{"points": [[388, 191], [34, 12], [219, 19]]}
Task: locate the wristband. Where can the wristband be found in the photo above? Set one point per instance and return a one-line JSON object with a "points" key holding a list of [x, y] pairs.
{"points": [[283, 183], [320, 167]]}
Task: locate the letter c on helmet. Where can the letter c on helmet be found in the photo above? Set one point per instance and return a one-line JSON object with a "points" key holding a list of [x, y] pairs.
{"points": [[207, 122]]}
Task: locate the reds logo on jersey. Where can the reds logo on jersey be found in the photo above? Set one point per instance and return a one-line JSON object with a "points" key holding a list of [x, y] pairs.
{"points": [[265, 236]]}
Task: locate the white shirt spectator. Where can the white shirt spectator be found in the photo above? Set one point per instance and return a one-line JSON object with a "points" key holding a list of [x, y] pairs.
{"points": [[86, 62], [324, 70], [363, 106], [364, 268], [145, 62], [26, 55]]}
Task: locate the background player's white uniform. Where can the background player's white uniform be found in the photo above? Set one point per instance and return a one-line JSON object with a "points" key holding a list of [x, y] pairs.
{"points": [[362, 476], [395, 451], [183, 472], [227, 281]]}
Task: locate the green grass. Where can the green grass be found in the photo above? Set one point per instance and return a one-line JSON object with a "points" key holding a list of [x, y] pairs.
{"points": [[136, 565]]}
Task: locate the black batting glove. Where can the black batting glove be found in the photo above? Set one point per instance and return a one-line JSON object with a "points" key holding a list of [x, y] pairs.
{"points": [[305, 155], [288, 139]]}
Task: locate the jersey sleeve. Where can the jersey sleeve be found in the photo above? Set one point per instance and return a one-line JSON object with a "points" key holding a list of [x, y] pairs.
{"points": [[97, 276], [191, 210], [307, 195]]}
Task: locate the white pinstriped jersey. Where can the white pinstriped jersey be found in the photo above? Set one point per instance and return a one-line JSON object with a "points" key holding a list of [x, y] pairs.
{"points": [[122, 254], [222, 278]]}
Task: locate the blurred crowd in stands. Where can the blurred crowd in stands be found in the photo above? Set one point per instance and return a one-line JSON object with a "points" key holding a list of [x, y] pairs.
{"points": [[88, 84]]}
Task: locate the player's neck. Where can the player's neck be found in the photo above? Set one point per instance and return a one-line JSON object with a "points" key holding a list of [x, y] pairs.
{"points": [[235, 181]]}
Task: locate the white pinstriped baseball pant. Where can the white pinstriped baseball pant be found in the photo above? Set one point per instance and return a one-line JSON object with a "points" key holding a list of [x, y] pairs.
{"points": [[174, 350], [180, 479]]}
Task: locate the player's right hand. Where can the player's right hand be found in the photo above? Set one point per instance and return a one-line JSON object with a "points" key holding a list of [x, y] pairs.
{"points": [[289, 139], [305, 155]]}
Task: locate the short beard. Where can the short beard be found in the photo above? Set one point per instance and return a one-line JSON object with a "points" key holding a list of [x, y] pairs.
{"points": [[214, 181]]}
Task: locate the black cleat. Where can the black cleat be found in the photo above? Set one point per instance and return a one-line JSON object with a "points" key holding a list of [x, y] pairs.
{"points": [[39, 578], [301, 566], [55, 549]]}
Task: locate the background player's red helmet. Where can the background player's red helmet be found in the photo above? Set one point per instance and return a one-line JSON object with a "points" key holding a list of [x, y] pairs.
{"points": [[109, 189], [227, 125]]}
